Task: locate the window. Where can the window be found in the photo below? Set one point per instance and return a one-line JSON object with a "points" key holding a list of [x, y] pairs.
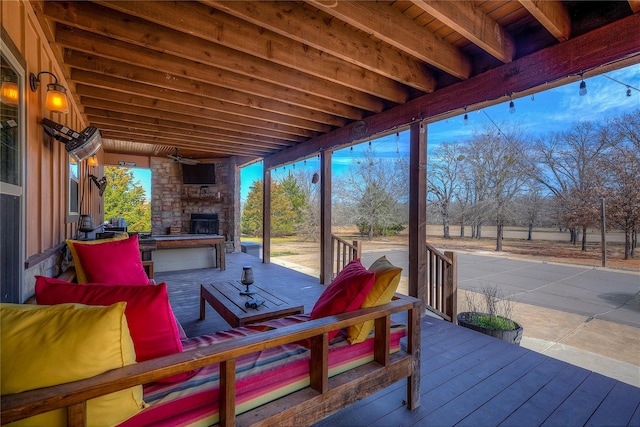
{"points": [[11, 172], [74, 187]]}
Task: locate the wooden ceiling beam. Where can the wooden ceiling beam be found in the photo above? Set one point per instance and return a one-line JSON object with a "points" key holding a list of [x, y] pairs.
{"points": [[264, 95], [180, 98], [292, 21], [106, 98], [106, 117], [219, 27], [466, 18], [208, 148], [117, 25], [552, 14], [106, 47], [146, 115], [635, 5], [225, 112], [211, 140], [387, 24]]}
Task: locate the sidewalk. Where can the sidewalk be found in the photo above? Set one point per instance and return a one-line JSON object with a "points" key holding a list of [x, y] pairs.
{"points": [[608, 348]]}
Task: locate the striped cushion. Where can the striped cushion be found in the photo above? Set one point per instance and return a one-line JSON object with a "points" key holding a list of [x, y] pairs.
{"points": [[260, 377]]}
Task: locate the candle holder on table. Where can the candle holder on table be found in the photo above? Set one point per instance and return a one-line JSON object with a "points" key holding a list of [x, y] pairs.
{"points": [[247, 279]]}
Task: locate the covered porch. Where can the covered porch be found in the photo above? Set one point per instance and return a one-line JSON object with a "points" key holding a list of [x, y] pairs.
{"points": [[466, 378]]}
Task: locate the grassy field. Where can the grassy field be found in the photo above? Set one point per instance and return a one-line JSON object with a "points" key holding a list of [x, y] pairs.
{"points": [[553, 248]]}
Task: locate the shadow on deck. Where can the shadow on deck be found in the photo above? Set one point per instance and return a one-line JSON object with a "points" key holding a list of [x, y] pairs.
{"points": [[467, 379]]}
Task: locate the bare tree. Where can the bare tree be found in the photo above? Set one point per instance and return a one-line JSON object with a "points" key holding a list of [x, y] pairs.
{"points": [[374, 192], [567, 164], [623, 194], [495, 159], [444, 170]]}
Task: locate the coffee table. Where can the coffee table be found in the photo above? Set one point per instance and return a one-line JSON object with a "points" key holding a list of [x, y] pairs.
{"points": [[225, 298]]}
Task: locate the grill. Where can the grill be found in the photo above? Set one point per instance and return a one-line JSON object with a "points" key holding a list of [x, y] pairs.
{"points": [[204, 224]]}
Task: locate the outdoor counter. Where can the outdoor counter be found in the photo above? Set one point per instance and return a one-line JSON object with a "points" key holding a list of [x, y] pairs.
{"points": [[150, 247]]}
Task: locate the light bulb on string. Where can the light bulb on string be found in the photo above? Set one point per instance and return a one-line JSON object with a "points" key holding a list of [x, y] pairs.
{"points": [[465, 120], [583, 87], [628, 91], [512, 106]]}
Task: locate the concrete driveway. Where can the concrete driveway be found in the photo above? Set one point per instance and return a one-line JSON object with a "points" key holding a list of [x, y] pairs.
{"points": [[594, 293]]}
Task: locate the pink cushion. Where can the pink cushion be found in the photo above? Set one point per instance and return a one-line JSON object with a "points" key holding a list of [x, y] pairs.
{"points": [[116, 262], [149, 315], [346, 293]]}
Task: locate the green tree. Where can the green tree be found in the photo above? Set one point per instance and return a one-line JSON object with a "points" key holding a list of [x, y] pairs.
{"points": [[125, 198], [284, 216], [296, 195], [251, 221]]}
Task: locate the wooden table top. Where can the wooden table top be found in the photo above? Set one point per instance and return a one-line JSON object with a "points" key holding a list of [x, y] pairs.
{"points": [[225, 298]]}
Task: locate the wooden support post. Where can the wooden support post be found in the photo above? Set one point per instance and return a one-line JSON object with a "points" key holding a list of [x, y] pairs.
{"points": [[228, 393], [319, 365], [382, 343], [413, 347], [326, 271], [266, 216], [77, 414], [418, 211], [451, 287]]}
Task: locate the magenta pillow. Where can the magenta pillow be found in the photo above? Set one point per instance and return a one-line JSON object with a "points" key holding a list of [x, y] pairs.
{"points": [[150, 317], [117, 262], [346, 293]]}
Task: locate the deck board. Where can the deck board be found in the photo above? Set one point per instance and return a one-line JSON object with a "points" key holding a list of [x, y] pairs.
{"points": [[467, 379]]}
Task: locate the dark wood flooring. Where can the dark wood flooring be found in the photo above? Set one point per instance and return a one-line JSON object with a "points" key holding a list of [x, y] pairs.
{"points": [[467, 379]]}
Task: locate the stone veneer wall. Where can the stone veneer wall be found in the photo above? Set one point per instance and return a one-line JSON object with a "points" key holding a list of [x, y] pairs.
{"points": [[173, 202]]}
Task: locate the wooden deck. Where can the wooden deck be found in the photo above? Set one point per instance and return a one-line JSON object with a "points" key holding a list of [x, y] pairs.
{"points": [[468, 379]]}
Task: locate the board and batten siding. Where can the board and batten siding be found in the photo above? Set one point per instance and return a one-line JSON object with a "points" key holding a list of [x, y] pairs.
{"points": [[46, 162]]}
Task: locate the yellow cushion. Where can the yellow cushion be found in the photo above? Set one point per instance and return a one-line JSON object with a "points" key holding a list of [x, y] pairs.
{"points": [[385, 286], [49, 345], [81, 275]]}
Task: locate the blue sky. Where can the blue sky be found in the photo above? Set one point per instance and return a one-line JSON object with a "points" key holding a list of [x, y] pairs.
{"points": [[547, 111]]}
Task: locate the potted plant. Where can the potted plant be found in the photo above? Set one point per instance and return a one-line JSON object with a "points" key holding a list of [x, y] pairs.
{"points": [[490, 312]]}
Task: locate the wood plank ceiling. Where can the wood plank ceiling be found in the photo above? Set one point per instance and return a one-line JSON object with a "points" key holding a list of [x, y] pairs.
{"points": [[251, 78]]}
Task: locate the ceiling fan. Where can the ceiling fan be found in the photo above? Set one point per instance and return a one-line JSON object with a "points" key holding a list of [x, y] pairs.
{"points": [[178, 158]]}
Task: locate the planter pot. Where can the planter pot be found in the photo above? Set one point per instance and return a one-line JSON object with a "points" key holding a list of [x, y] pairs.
{"points": [[513, 336]]}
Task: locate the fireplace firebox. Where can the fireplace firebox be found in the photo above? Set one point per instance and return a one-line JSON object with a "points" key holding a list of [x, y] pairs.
{"points": [[204, 224]]}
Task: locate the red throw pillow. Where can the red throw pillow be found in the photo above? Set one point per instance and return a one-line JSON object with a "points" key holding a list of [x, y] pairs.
{"points": [[117, 262], [346, 293], [149, 315]]}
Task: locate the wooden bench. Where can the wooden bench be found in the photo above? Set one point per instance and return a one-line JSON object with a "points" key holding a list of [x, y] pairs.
{"points": [[323, 397]]}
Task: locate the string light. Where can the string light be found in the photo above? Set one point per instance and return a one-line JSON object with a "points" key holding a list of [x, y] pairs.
{"points": [[629, 87], [512, 106], [583, 87], [465, 120]]}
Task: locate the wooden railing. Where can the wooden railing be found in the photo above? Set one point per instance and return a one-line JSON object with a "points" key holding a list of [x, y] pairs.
{"points": [[321, 398], [442, 283], [342, 252]]}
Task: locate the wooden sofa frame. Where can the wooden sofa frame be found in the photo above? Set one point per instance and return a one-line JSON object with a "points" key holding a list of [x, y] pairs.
{"points": [[322, 398]]}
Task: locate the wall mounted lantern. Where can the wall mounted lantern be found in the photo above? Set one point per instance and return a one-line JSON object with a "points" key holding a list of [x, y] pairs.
{"points": [[56, 93], [9, 92]]}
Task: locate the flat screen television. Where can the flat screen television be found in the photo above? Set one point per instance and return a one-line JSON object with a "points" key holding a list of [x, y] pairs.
{"points": [[202, 173]]}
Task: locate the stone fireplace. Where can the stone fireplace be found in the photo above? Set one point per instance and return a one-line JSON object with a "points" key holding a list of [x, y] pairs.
{"points": [[174, 204]]}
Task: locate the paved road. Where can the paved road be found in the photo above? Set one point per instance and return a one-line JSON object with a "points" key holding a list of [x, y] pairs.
{"points": [[594, 293]]}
